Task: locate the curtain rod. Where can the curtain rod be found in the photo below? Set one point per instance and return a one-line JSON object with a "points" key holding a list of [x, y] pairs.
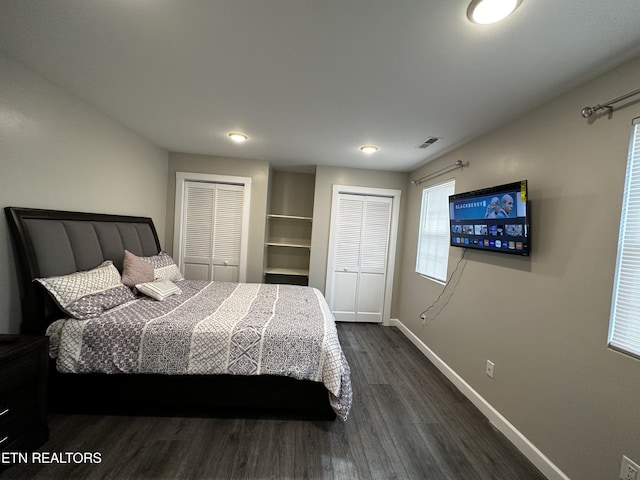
{"points": [[442, 171], [586, 112]]}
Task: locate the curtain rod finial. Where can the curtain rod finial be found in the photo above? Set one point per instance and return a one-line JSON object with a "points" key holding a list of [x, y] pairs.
{"points": [[586, 112]]}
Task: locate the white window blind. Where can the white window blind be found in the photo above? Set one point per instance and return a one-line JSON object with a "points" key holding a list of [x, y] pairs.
{"points": [[433, 234], [624, 327]]}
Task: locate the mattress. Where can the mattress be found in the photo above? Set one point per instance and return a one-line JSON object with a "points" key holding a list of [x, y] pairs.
{"points": [[212, 328]]}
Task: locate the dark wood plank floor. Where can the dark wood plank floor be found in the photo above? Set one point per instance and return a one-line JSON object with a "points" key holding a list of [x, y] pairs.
{"points": [[407, 422]]}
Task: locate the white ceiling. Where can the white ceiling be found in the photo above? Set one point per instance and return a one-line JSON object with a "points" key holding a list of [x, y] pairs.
{"points": [[311, 80]]}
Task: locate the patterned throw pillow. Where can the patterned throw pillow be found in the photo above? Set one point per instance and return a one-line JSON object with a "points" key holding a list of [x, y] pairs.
{"points": [[164, 268], [160, 289], [88, 294]]}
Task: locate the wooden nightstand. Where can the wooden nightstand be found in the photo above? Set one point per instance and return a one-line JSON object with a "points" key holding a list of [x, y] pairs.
{"points": [[23, 388]]}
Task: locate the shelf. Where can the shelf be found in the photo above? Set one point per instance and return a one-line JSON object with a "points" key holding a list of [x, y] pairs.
{"points": [[288, 244], [289, 217], [287, 271]]}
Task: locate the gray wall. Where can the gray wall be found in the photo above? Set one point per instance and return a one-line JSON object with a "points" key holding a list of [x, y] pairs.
{"points": [[543, 320], [291, 193], [59, 153], [258, 170], [326, 177]]}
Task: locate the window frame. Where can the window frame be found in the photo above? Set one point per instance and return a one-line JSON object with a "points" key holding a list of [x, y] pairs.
{"points": [[624, 320], [432, 250]]}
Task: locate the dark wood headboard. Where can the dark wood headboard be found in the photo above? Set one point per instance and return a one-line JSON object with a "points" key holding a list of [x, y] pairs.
{"points": [[53, 242]]}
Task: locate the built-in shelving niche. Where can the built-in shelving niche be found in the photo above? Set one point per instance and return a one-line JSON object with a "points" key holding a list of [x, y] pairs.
{"points": [[289, 224]]}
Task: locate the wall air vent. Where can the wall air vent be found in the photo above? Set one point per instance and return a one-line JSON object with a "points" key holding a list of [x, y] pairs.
{"points": [[428, 142]]}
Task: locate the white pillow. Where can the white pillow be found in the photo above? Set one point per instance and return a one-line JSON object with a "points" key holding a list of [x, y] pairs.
{"points": [[88, 294], [159, 289], [164, 268]]}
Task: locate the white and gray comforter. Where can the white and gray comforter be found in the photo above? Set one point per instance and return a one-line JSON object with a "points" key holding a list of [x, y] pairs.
{"points": [[213, 328]]}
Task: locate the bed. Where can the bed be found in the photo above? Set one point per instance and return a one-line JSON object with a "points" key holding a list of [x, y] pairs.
{"points": [[196, 348]]}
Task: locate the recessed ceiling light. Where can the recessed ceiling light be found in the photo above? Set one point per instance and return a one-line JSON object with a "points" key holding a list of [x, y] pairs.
{"points": [[491, 11], [237, 137], [369, 149]]}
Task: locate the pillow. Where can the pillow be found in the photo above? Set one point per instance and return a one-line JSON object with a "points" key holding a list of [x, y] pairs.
{"points": [[164, 268], [159, 289], [136, 270], [88, 294]]}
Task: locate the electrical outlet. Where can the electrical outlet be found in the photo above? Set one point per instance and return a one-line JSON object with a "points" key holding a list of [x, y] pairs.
{"points": [[629, 469], [489, 371]]}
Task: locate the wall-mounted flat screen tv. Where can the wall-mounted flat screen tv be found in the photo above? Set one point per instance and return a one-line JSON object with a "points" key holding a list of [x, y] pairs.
{"points": [[494, 219]]}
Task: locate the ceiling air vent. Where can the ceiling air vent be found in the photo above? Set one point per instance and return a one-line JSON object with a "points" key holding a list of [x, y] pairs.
{"points": [[428, 142]]}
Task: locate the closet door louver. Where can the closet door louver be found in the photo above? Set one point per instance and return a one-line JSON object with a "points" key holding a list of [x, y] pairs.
{"points": [[375, 237], [349, 233], [228, 224], [198, 231]]}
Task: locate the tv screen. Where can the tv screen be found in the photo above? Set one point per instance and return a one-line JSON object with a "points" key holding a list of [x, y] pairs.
{"points": [[494, 219]]}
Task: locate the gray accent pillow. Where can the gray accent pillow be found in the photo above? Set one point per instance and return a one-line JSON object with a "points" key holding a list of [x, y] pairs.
{"points": [[88, 294]]}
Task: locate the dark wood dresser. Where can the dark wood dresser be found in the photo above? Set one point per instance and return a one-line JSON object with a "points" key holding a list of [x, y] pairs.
{"points": [[23, 390]]}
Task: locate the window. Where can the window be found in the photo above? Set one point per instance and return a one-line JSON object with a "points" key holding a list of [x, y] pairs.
{"points": [[624, 328], [433, 235]]}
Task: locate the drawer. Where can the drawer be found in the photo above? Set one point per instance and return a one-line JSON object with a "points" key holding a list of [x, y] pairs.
{"points": [[16, 401], [16, 423], [18, 371], [23, 381]]}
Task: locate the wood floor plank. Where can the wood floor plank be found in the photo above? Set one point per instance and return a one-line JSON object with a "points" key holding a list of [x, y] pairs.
{"points": [[447, 451], [346, 453], [413, 454], [407, 422]]}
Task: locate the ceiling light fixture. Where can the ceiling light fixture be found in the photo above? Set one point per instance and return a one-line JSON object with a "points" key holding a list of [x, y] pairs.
{"points": [[490, 11], [369, 149], [237, 137]]}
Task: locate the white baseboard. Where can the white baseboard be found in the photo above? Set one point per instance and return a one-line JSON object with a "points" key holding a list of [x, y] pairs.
{"points": [[528, 449]]}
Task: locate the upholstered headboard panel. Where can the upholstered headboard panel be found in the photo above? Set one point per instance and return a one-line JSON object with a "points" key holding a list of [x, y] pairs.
{"points": [[51, 242]]}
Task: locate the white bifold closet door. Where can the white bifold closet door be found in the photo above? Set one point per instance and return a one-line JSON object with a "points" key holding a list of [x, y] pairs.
{"points": [[212, 231], [361, 248]]}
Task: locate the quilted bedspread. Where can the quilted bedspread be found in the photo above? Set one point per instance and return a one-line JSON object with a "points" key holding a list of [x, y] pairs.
{"points": [[213, 328]]}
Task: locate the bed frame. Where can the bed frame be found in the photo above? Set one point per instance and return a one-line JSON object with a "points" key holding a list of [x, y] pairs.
{"points": [[51, 242]]}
